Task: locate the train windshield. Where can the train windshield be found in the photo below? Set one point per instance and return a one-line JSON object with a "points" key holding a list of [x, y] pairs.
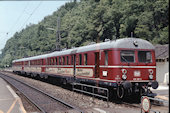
{"points": [[127, 56], [144, 56]]}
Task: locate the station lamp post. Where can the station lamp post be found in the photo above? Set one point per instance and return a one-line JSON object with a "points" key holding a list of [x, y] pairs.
{"points": [[58, 37], [58, 48]]}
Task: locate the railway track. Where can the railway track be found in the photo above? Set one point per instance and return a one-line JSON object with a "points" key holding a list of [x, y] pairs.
{"points": [[44, 102], [126, 103]]}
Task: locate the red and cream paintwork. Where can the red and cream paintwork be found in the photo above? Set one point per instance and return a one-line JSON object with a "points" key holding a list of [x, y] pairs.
{"points": [[102, 62]]}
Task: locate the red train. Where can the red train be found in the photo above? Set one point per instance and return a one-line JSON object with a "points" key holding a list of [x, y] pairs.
{"points": [[124, 66]]}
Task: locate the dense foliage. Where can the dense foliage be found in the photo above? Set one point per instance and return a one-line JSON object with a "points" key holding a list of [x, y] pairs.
{"points": [[92, 21]]}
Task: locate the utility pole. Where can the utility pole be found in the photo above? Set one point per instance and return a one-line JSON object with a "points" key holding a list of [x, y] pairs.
{"points": [[131, 34], [58, 46], [58, 37]]}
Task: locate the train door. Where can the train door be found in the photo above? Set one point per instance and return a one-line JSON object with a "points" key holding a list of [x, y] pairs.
{"points": [[74, 65], [97, 64], [73, 62], [22, 66]]}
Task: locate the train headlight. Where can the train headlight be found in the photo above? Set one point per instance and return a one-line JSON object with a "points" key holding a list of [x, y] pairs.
{"points": [[124, 77], [124, 71], [150, 74], [150, 71], [150, 77]]}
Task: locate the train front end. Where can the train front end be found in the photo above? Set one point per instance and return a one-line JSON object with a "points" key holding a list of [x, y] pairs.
{"points": [[137, 68]]}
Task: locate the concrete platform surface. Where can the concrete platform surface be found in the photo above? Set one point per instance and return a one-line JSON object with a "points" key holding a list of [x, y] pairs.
{"points": [[9, 100]]}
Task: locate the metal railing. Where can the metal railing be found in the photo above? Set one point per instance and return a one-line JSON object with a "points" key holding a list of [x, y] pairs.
{"points": [[93, 90], [160, 101]]}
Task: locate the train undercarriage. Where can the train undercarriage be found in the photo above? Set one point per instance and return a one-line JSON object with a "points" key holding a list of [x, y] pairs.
{"points": [[118, 90]]}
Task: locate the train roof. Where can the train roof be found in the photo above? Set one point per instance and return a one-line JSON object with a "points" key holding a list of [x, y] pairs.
{"points": [[131, 43]]}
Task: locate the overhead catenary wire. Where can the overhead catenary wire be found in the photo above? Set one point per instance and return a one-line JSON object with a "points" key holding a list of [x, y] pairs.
{"points": [[17, 20], [6, 34], [31, 15], [162, 53]]}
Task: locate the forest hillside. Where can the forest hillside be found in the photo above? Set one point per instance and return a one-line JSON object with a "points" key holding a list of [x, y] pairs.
{"points": [[88, 20]]}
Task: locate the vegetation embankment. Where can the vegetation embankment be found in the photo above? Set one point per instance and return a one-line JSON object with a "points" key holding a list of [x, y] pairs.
{"points": [[85, 21]]}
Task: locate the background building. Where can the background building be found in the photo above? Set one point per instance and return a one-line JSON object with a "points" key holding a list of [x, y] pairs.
{"points": [[162, 63]]}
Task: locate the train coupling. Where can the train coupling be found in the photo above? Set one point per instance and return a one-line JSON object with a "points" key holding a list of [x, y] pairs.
{"points": [[127, 85], [148, 92], [151, 95], [153, 84]]}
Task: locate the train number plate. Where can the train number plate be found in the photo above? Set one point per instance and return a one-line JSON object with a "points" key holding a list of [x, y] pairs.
{"points": [[137, 73]]}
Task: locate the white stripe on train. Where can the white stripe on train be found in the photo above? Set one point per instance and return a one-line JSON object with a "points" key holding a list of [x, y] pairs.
{"points": [[92, 66]]}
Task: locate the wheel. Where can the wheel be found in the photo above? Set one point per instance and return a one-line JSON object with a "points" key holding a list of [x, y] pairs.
{"points": [[64, 81], [120, 92]]}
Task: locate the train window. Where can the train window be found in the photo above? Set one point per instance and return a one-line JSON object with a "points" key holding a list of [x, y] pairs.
{"points": [[25, 63], [63, 60], [72, 58], [59, 60], [52, 61], [41, 61], [127, 56], [144, 56], [49, 62], [46, 61], [56, 61], [67, 60], [106, 57], [85, 59], [80, 59]]}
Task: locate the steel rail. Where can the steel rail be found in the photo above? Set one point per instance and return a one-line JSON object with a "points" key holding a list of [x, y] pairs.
{"points": [[22, 93], [52, 97]]}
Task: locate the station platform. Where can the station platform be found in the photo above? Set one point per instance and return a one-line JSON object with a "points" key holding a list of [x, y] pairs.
{"points": [[9, 100]]}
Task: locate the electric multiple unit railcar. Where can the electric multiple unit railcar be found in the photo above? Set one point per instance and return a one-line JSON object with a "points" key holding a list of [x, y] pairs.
{"points": [[123, 66]]}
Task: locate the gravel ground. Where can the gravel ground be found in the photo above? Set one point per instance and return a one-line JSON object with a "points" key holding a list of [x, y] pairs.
{"points": [[76, 99]]}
